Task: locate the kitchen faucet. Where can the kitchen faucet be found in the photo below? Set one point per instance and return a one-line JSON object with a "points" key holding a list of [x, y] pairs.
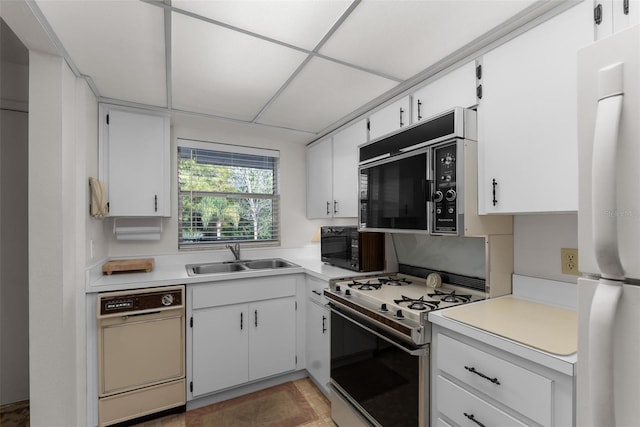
{"points": [[235, 250]]}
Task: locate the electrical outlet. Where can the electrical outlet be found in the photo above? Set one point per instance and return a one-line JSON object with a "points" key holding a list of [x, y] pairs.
{"points": [[569, 261]]}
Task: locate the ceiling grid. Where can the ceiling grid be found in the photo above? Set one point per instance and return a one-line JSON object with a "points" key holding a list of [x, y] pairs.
{"points": [[299, 65]]}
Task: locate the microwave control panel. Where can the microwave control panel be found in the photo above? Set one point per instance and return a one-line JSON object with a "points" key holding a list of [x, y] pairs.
{"points": [[445, 210]]}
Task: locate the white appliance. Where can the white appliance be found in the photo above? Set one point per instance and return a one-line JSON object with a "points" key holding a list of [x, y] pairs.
{"points": [[608, 378]]}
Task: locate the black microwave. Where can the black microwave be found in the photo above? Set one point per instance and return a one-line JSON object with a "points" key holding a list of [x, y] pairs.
{"points": [[412, 181], [346, 247]]}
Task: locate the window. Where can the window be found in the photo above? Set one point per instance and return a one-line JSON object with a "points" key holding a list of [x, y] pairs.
{"points": [[226, 194]]}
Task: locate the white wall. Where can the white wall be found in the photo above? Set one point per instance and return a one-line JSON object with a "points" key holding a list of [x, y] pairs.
{"points": [[537, 240], [59, 128]]}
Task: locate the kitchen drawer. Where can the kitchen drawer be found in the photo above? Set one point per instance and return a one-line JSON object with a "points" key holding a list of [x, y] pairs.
{"points": [[238, 291], [520, 389], [314, 290], [467, 409]]}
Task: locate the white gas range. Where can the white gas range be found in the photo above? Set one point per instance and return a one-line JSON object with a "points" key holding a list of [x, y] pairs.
{"points": [[380, 339], [400, 302]]}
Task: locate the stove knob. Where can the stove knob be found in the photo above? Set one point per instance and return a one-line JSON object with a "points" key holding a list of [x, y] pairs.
{"points": [[438, 196], [399, 314], [450, 195], [383, 307], [338, 288], [347, 292]]}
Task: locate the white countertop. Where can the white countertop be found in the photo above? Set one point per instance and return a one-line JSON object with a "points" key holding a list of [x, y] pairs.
{"points": [[171, 270], [527, 327]]}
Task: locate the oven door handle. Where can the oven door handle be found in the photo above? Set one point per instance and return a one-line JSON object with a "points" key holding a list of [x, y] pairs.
{"points": [[420, 351]]}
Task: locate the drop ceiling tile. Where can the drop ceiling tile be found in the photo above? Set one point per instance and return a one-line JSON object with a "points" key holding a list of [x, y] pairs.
{"points": [[223, 72], [322, 93], [402, 38], [300, 23], [120, 44]]}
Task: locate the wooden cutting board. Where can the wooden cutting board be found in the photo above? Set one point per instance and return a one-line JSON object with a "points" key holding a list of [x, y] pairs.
{"points": [[128, 266]]}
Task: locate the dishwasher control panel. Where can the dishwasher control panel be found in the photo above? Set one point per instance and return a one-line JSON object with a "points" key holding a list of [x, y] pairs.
{"points": [[130, 302]]}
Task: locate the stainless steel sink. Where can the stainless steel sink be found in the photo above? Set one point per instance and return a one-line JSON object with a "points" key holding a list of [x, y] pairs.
{"points": [[271, 263], [237, 266], [214, 268]]}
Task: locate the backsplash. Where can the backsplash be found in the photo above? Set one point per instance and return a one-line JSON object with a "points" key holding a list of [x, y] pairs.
{"points": [[459, 255]]}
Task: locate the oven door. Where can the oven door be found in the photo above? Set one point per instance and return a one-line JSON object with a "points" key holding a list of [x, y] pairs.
{"points": [[394, 193], [380, 378]]}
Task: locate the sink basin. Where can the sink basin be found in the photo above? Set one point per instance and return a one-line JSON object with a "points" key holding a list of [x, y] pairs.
{"points": [[214, 268], [272, 263], [237, 266]]}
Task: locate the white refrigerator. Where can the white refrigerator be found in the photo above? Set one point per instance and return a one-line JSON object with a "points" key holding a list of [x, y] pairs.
{"points": [[608, 373]]}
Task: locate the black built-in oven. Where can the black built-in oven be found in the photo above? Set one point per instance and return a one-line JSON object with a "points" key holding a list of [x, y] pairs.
{"points": [[384, 379], [346, 247]]}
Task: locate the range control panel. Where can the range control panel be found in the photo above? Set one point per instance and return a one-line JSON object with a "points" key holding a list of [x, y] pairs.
{"points": [[445, 210]]}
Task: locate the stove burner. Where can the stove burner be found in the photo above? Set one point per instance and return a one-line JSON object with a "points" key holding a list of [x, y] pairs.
{"points": [[450, 297], [394, 281], [364, 286], [417, 304]]}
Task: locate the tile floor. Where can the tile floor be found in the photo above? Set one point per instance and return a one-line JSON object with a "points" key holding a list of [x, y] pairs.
{"points": [[319, 403], [18, 415]]}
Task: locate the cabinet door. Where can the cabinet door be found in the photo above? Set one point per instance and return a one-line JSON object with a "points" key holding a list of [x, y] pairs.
{"points": [[319, 182], [345, 169], [220, 348], [136, 162], [454, 89], [272, 337], [615, 15], [527, 131], [390, 118], [318, 342]]}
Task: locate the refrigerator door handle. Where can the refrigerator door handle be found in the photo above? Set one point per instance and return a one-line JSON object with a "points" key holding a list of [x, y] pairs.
{"points": [[603, 165], [601, 340]]}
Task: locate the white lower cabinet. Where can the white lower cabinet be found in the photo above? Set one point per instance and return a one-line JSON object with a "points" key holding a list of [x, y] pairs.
{"points": [[476, 384], [241, 330], [318, 328]]}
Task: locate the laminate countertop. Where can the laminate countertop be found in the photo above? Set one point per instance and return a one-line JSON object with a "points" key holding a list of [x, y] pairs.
{"points": [[544, 327]]}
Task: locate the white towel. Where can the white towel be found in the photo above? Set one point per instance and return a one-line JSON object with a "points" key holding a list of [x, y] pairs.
{"points": [[98, 207]]}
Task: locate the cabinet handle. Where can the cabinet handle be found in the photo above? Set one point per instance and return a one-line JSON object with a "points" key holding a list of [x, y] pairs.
{"points": [[473, 418], [324, 328], [494, 184], [479, 92], [241, 320], [335, 206], [316, 292], [473, 371], [256, 313], [401, 116], [328, 212], [419, 108], [597, 14], [155, 203], [625, 7]]}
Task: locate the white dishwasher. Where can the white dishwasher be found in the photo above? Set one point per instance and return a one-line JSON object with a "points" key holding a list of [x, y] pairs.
{"points": [[141, 353]]}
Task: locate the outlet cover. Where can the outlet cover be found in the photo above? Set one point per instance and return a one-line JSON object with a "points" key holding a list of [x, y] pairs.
{"points": [[569, 259]]}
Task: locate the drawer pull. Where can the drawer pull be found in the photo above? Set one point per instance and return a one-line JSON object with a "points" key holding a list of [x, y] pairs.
{"points": [[473, 370], [473, 418], [316, 292]]}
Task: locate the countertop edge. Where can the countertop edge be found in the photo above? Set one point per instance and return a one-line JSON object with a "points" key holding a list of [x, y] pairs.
{"points": [[562, 364]]}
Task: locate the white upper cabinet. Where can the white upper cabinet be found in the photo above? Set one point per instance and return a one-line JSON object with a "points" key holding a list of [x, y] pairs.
{"points": [[527, 132], [135, 161], [454, 89], [332, 174], [611, 16], [391, 118]]}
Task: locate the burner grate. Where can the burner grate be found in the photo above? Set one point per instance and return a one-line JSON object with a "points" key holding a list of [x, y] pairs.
{"points": [[417, 304], [449, 297], [364, 286], [394, 281]]}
